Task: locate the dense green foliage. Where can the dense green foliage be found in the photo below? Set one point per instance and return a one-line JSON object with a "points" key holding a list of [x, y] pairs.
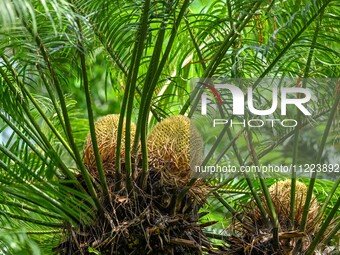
{"points": [[64, 63]]}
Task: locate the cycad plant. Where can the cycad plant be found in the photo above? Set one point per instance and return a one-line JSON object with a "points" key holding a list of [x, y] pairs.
{"points": [[120, 185]]}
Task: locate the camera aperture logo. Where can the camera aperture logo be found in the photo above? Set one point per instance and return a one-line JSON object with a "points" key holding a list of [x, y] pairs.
{"points": [[277, 101]]}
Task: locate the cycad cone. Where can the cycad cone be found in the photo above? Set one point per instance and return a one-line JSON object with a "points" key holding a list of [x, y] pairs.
{"points": [[172, 143], [280, 194], [106, 133]]}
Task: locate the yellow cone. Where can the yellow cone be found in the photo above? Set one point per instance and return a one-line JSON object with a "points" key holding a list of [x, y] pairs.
{"points": [[106, 133]]}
